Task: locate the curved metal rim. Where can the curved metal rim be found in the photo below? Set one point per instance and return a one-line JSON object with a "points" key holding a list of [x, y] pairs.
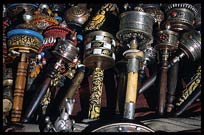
{"points": [[25, 32], [120, 124], [99, 32], [27, 4], [139, 12]]}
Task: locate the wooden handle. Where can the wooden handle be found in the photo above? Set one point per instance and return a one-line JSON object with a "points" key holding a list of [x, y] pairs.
{"points": [[122, 84], [162, 92], [172, 83], [35, 102], [96, 92], [131, 93], [19, 89], [75, 84]]}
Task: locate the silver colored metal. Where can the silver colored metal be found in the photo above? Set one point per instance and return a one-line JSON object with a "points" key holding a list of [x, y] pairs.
{"points": [[43, 6], [49, 126], [63, 123], [65, 49], [70, 105], [4, 10], [133, 65], [99, 50], [190, 44], [27, 17], [167, 39], [76, 15], [149, 57], [149, 54], [155, 11], [181, 16], [123, 127], [136, 25], [129, 110]]}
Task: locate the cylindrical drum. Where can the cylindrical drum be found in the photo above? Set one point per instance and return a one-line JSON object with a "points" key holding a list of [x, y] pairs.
{"points": [[76, 16], [136, 24], [190, 44], [167, 39], [181, 16], [54, 32], [16, 8], [66, 50], [99, 50], [24, 40], [43, 21], [154, 10]]}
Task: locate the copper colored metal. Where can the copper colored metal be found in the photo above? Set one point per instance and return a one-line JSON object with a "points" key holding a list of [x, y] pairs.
{"points": [[167, 41]]}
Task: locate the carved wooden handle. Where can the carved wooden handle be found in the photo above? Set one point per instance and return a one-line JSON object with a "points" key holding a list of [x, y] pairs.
{"points": [[96, 92], [19, 89]]}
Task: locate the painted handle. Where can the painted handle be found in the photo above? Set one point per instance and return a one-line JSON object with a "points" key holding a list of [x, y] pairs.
{"points": [[96, 92]]}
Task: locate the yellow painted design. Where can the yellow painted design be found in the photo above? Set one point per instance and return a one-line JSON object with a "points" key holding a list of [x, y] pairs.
{"points": [[96, 92]]}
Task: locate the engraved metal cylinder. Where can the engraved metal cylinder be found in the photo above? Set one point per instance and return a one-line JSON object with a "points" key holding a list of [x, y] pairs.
{"points": [[154, 10], [24, 40], [181, 16], [167, 39], [76, 16], [56, 31], [99, 50], [42, 21], [66, 50], [16, 8], [136, 24], [190, 44]]}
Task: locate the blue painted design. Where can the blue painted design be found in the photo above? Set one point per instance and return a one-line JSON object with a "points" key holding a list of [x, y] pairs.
{"points": [[80, 37], [19, 4], [25, 32], [42, 54], [58, 18]]}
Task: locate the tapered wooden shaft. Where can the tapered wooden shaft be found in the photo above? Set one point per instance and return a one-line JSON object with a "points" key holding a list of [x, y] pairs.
{"points": [[78, 78], [19, 89], [163, 83]]}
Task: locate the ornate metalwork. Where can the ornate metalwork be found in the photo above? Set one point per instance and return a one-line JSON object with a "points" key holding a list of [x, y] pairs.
{"points": [[76, 16], [100, 17], [99, 48], [16, 8], [136, 24], [181, 16]]}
